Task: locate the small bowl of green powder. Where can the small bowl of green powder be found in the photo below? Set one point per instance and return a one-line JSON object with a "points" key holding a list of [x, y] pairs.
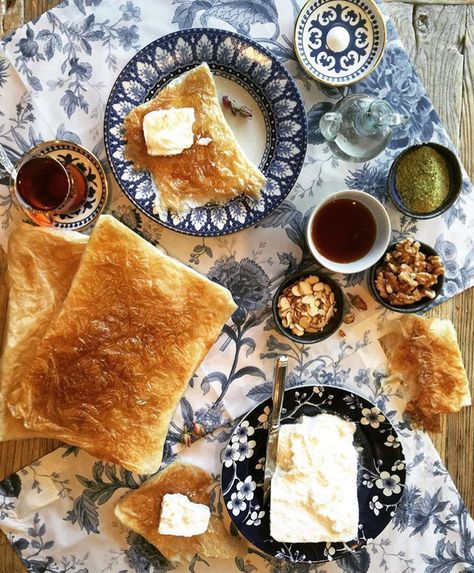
{"points": [[425, 180]]}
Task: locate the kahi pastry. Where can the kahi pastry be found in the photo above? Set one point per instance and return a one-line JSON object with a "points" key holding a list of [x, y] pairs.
{"points": [[140, 511], [214, 169], [41, 265], [424, 356], [115, 361]]}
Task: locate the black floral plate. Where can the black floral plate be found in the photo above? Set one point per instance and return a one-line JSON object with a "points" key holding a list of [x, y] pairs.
{"points": [[381, 472]]}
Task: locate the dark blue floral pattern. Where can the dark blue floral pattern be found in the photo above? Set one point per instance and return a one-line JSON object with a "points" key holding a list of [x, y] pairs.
{"points": [[98, 489], [240, 15], [141, 556], [74, 42], [247, 281], [369, 178], [34, 552]]}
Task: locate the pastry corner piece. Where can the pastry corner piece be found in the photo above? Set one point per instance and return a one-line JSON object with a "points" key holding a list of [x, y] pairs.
{"points": [[424, 356], [140, 511], [212, 173], [115, 361], [41, 265]]}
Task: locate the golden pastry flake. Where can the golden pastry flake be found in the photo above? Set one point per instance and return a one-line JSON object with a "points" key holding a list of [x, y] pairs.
{"points": [[424, 356]]}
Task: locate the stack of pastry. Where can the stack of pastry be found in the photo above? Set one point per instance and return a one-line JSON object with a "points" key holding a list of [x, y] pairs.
{"points": [[102, 337]]}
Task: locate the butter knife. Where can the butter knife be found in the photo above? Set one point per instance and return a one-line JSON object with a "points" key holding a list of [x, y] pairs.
{"points": [[281, 366]]}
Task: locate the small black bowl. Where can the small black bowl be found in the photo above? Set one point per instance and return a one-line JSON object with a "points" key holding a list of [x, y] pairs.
{"points": [[415, 307], [331, 326], [455, 177]]}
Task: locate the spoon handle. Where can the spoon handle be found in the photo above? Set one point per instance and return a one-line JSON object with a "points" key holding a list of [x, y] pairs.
{"points": [[6, 163]]}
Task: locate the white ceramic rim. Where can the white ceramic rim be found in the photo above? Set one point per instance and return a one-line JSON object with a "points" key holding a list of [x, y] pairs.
{"points": [[383, 234]]}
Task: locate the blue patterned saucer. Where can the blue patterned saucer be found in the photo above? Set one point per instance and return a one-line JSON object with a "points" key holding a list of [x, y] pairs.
{"points": [[339, 42], [274, 139], [97, 185], [381, 472]]}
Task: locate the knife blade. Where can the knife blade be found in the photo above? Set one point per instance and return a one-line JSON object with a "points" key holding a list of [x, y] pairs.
{"points": [[281, 366]]}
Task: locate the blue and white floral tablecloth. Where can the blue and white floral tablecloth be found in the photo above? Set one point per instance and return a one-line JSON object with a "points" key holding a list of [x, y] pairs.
{"points": [[55, 76]]}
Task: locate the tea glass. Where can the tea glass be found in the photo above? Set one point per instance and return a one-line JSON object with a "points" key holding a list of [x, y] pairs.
{"points": [[45, 186]]}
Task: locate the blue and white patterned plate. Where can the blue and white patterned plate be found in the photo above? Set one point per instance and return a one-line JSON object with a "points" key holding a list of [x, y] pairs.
{"points": [[339, 42], [94, 174], [275, 138], [381, 472]]}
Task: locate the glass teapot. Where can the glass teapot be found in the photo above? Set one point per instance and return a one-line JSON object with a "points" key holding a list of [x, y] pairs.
{"points": [[359, 127]]}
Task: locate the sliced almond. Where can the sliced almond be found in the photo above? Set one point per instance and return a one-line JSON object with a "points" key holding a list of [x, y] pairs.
{"points": [[312, 310], [306, 306], [304, 322], [305, 288], [295, 290]]}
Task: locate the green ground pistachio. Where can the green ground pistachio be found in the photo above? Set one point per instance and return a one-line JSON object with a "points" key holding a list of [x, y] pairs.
{"points": [[422, 179]]}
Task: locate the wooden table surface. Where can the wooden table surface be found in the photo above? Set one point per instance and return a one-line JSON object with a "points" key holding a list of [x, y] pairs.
{"points": [[439, 37]]}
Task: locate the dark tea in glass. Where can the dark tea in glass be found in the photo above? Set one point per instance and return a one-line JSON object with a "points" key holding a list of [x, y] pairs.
{"points": [[47, 185]]}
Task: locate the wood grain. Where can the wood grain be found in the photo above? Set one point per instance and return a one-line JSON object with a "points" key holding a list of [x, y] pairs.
{"points": [[467, 109], [432, 36], [11, 12], [460, 459], [439, 37], [439, 40]]}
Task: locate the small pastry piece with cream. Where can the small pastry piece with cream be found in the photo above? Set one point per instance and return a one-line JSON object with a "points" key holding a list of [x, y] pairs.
{"points": [[142, 511], [168, 131], [214, 169], [314, 487], [179, 516]]}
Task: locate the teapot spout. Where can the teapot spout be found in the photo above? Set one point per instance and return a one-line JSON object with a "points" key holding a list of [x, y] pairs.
{"points": [[329, 125]]}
